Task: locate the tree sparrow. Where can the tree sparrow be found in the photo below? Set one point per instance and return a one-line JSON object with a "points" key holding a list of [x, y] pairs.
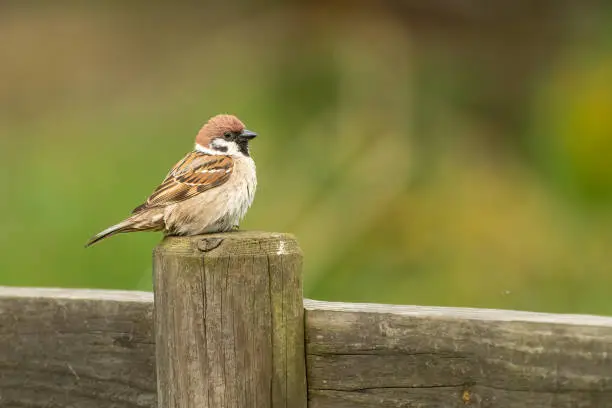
{"points": [[209, 190]]}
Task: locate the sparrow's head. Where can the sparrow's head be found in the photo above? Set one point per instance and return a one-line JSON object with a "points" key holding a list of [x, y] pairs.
{"points": [[224, 134]]}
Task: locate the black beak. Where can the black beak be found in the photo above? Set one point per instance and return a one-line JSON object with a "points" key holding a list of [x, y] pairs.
{"points": [[247, 134]]}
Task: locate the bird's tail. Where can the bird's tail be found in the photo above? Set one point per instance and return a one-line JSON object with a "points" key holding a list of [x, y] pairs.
{"points": [[144, 221], [123, 226]]}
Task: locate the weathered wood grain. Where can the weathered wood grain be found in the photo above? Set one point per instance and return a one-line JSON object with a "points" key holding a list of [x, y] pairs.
{"points": [[94, 349], [230, 321], [76, 348], [362, 355]]}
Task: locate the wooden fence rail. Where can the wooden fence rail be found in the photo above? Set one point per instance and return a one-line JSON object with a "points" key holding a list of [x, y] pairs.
{"points": [[231, 331]]}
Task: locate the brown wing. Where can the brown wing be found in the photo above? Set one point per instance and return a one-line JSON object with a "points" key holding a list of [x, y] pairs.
{"points": [[196, 173]]}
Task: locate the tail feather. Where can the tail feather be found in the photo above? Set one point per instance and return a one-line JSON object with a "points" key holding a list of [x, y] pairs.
{"points": [[150, 220], [123, 226]]}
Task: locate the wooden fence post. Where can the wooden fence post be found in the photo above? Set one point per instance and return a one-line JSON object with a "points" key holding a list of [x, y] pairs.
{"points": [[229, 321]]}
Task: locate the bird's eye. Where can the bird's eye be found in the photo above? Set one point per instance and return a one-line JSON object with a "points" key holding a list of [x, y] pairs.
{"points": [[227, 135]]}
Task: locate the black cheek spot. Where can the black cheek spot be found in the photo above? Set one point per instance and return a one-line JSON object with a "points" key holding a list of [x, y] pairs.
{"points": [[221, 148]]}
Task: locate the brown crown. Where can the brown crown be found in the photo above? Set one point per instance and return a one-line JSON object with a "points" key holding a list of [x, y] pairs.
{"points": [[216, 126]]}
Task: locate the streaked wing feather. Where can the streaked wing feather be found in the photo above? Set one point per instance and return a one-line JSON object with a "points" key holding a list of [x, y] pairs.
{"points": [[196, 173]]}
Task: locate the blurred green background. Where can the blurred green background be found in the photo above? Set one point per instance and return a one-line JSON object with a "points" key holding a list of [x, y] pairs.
{"points": [[437, 153]]}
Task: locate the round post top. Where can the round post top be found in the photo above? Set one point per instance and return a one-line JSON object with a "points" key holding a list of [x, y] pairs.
{"points": [[231, 243]]}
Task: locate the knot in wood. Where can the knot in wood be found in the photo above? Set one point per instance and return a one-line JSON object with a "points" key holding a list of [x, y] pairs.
{"points": [[208, 244]]}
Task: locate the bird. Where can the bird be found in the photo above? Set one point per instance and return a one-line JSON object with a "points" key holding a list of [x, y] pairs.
{"points": [[209, 190]]}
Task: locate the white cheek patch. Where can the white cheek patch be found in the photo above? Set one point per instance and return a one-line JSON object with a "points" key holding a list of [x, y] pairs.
{"points": [[222, 147], [219, 143], [225, 147]]}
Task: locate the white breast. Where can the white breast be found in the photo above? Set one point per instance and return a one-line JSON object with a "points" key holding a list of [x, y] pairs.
{"points": [[218, 209], [243, 184]]}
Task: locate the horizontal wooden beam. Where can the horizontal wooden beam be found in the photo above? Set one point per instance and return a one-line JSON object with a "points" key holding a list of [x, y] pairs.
{"points": [[94, 349], [370, 355], [76, 348]]}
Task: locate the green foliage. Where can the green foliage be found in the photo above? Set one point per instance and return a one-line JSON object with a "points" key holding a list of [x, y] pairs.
{"points": [[367, 153], [572, 136]]}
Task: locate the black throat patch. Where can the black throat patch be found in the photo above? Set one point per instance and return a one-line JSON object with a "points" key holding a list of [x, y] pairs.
{"points": [[243, 146]]}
